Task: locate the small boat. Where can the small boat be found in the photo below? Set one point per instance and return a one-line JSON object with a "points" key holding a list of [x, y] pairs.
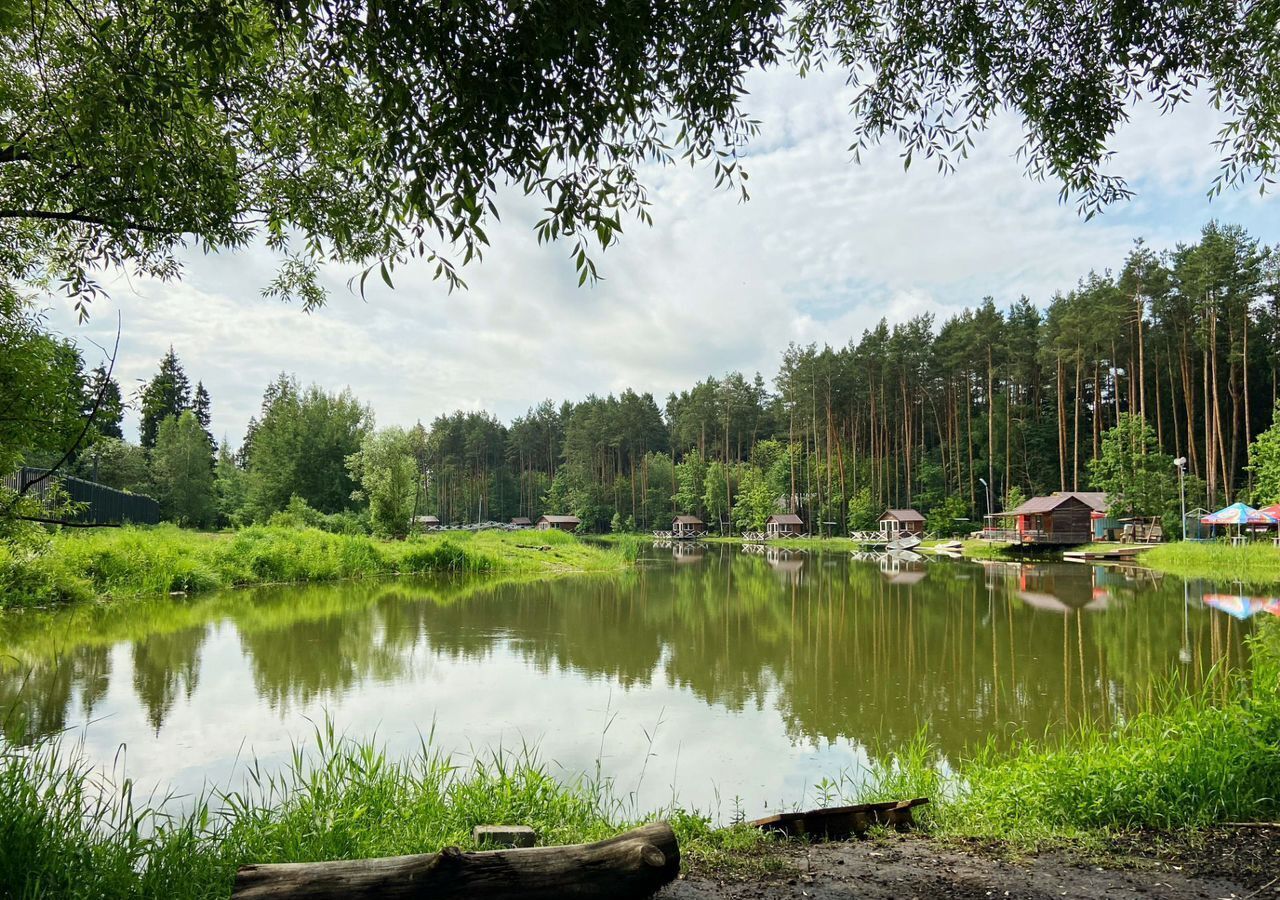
{"points": [[949, 548], [906, 542]]}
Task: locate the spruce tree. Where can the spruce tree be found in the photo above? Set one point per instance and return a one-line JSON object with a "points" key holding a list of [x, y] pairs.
{"points": [[109, 420], [167, 394]]}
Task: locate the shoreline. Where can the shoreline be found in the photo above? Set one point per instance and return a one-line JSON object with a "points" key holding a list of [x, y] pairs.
{"points": [[139, 563], [1254, 565]]}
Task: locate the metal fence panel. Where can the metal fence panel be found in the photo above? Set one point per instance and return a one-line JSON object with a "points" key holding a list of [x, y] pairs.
{"points": [[99, 504]]}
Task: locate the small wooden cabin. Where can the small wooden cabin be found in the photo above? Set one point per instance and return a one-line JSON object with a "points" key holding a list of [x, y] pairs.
{"points": [[522, 522], [784, 525], [687, 526], [559, 523], [426, 521], [902, 521], [1060, 518]]}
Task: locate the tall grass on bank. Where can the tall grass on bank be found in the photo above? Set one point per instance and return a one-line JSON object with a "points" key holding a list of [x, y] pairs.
{"points": [[128, 562], [1255, 564], [67, 832], [1188, 760]]}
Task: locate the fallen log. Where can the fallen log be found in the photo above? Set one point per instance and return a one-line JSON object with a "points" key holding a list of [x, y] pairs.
{"points": [[838, 822], [632, 865]]}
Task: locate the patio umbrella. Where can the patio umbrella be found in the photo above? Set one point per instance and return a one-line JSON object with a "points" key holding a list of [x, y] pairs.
{"points": [[1239, 514], [1237, 605]]}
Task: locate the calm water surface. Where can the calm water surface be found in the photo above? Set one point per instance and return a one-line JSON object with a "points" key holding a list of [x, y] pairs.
{"points": [[722, 677]]}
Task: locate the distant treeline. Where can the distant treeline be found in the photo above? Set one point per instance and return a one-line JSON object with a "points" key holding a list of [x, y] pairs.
{"points": [[913, 414], [996, 403]]}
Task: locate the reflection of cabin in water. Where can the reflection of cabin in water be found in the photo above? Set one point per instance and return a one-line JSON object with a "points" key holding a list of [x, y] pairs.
{"points": [[1059, 587], [559, 523], [685, 552], [897, 570], [1059, 518], [522, 522], [687, 527], [784, 525], [789, 562], [901, 521]]}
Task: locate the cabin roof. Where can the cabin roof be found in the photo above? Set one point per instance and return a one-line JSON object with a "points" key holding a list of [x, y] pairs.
{"points": [[687, 520], [786, 519], [561, 520], [902, 515], [1095, 500], [426, 519], [521, 520]]}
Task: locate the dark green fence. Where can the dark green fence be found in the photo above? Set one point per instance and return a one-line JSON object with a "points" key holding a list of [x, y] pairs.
{"points": [[96, 504]]}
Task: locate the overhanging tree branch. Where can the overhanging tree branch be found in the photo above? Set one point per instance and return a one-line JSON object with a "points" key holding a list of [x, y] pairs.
{"points": [[83, 219]]}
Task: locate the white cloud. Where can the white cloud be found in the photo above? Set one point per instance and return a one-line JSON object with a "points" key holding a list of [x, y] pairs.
{"points": [[823, 250]]}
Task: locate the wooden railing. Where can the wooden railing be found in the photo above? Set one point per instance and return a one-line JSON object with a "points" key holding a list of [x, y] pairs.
{"points": [[1035, 536]]}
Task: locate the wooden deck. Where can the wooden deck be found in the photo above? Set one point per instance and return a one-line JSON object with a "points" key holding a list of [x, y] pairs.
{"points": [[1107, 553], [1027, 538]]}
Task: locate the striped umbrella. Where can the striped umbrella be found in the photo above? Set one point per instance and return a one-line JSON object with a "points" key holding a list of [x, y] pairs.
{"points": [[1239, 514]]}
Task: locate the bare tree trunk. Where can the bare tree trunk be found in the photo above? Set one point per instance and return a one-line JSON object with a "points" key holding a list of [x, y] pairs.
{"points": [[1062, 427], [1075, 437]]}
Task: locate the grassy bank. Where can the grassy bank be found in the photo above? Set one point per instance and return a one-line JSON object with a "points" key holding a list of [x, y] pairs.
{"points": [[1253, 564], [1187, 761], [112, 564], [67, 833]]}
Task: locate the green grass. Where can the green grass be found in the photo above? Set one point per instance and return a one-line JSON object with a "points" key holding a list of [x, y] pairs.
{"points": [[1254, 564], [133, 562], [68, 832]]}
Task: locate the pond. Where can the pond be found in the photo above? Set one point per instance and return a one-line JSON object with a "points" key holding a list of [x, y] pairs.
{"points": [[732, 681]]}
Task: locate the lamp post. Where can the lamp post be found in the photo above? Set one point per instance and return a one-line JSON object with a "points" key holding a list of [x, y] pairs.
{"points": [[987, 487], [1181, 463]]}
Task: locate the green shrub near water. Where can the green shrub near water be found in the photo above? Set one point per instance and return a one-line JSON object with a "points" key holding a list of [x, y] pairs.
{"points": [[1256, 563], [130, 562]]}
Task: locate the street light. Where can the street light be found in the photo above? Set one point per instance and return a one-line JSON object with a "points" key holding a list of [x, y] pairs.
{"points": [[1181, 463], [988, 488]]}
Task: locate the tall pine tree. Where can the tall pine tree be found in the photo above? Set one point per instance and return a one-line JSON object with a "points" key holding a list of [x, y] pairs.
{"points": [[167, 394], [109, 420]]}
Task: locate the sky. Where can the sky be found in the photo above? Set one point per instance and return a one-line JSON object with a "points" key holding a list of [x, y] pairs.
{"points": [[824, 249]]}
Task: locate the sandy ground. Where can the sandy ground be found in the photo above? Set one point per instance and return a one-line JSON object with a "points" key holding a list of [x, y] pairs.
{"points": [[1241, 864]]}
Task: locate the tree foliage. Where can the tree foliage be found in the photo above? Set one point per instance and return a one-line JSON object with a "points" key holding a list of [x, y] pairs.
{"points": [[1138, 479], [1264, 463], [372, 133], [299, 444], [386, 469], [166, 395], [183, 477]]}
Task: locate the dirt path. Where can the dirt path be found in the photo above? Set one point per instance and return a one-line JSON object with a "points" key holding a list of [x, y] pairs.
{"points": [[1241, 865]]}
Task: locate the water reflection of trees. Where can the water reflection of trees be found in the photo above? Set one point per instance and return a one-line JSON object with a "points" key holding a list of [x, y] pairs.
{"points": [[164, 665], [839, 648], [36, 700]]}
